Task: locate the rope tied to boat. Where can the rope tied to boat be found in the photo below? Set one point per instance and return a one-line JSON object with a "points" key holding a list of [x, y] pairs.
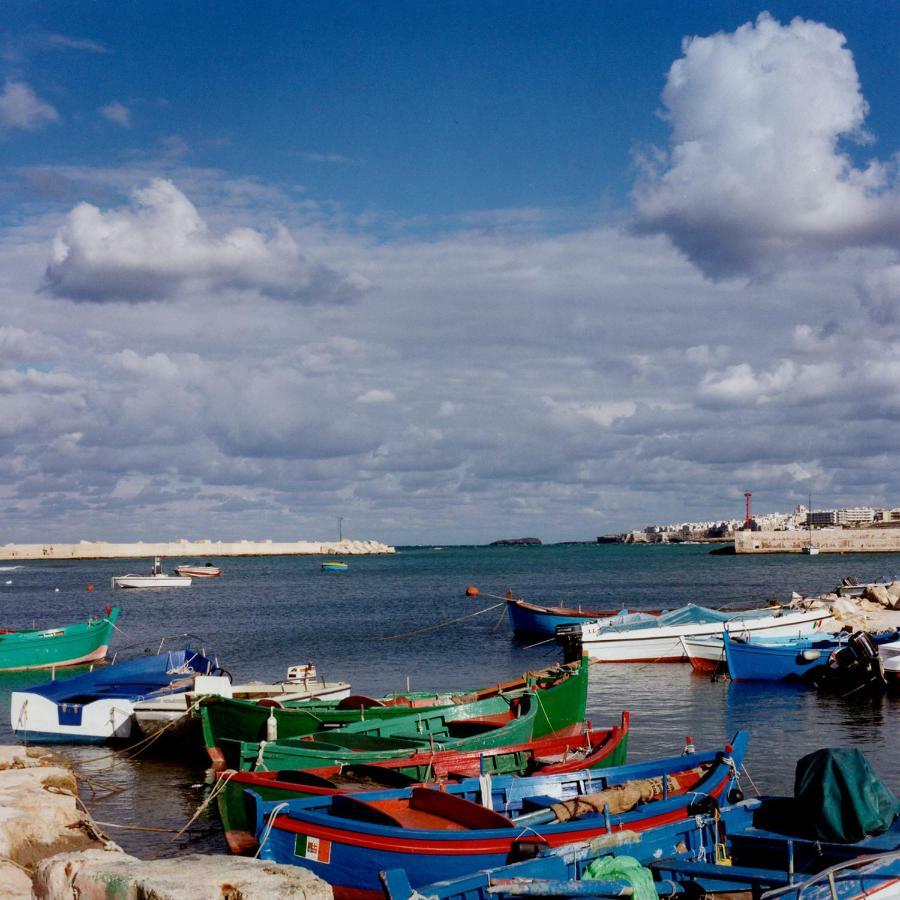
{"points": [[217, 789], [260, 764], [270, 824], [395, 637]]}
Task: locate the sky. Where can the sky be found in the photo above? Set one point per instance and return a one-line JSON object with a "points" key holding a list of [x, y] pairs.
{"points": [[453, 272]]}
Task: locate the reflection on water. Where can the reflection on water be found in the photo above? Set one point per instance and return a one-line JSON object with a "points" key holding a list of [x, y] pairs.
{"points": [[266, 614]]}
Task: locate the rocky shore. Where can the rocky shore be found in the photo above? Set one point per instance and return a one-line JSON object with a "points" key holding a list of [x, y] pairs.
{"points": [[51, 849]]}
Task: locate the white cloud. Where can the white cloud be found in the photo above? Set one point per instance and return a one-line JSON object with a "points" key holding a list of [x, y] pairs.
{"points": [[755, 173], [162, 246], [21, 108], [117, 113], [376, 395]]}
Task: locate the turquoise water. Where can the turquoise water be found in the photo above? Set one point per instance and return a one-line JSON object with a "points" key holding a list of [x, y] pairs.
{"points": [[266, 614]]}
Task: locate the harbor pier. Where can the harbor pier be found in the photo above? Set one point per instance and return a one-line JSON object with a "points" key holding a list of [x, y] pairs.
{"points": [[202, 548], [825, 540]]}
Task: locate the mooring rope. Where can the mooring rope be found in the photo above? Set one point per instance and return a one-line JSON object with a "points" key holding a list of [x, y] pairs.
{"points": [[404, 634]]}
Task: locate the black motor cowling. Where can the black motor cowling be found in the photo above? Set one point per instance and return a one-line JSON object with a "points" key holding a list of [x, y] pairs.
{"points": [[568, 636]]}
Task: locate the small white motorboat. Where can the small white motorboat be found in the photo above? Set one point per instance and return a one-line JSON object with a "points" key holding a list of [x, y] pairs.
{"points": [[193, 570], [156, 579], [173, 712]]}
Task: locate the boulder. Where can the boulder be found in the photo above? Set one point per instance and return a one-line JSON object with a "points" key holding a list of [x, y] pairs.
{"points": [[40, 813], [100, 875], [875, 593], [893, 590], [15, 881]]}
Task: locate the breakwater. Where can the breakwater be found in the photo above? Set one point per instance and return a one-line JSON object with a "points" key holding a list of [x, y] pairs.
{"points": [[183, 547], [825, 540]]}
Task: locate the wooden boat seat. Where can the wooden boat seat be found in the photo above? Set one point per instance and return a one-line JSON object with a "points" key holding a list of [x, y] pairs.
{"points": [[348, 806], [299, 776], [462, 728], [358, 701], [538, 801], [368, 774], [457, 809], [769, 878]]}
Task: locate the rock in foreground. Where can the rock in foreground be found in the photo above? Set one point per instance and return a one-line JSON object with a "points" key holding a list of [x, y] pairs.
{"points": [[101, 875]]}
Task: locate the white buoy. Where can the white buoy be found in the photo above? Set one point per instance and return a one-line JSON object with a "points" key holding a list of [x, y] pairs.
{"points": [[55, 590], [9, 582]]}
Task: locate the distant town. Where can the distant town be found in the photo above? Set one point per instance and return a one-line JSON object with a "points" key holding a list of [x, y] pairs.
{"points": [[800, 518]]}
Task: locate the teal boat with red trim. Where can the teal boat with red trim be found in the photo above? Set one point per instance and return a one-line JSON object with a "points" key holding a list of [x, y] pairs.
{"points": [[64, 645]]}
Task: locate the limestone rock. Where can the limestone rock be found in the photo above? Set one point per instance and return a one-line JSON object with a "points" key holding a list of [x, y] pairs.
{"points": [[99, 875], [16, 756], [16, 885], [40, 814], [893, 590], [875, 593]]}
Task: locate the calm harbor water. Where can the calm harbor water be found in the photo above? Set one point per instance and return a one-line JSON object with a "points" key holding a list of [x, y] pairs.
{"points": [[266, 614]]}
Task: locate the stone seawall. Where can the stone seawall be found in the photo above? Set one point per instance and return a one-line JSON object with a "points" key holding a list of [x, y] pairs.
{"points": [[203, 548], [826, 540]]}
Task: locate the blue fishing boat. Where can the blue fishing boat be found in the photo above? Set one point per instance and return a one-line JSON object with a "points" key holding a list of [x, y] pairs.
{"points": [[347, 839], [796, 658], [533, 619], [99, 706], [710, 853], [334, 566], [838, 837]]}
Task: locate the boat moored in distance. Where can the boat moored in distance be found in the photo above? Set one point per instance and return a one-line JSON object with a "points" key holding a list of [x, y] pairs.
{"points": [[534, 619], [334, 565], [98, 706], [348, 839], [65, 645], [659, 638], [194, 570], [156, 579]]}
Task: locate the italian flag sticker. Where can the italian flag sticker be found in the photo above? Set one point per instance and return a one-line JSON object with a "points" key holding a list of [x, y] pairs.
{"points": [[307, 847]]}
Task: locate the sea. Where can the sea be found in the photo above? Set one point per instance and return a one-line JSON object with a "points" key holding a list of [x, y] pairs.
{"points": [[407, 620]]}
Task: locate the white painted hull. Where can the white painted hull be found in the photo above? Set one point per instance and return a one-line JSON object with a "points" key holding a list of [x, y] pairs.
{"points": [[100, 720], [664, 644], [152, 581], [171, 713], [199, 571]]}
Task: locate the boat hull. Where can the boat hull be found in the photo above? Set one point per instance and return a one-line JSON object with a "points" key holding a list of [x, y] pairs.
{"points": [[532, 619], [563, 701], [98, 706], [151, 582], [349, 853], [69, 645], [664, 643], [546, 755]]}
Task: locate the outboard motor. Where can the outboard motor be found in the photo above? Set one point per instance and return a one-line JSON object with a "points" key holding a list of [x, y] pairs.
{"points": [[568, 636], [857, 666]]}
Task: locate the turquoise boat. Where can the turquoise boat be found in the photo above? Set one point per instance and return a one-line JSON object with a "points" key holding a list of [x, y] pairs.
{"points": [[67, 645]]}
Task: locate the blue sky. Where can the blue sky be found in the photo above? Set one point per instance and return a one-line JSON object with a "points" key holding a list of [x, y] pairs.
{"points": [[454, 271]]}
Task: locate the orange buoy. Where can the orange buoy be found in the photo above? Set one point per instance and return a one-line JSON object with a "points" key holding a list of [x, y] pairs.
{"points": [[90, 587], [471, 591]]}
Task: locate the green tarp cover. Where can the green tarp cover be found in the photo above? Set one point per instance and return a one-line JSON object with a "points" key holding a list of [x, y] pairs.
{"points": [[627, 868], [841, 798]]}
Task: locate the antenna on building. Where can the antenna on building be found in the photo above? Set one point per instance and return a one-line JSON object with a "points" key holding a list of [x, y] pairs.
{"points": [[747, 509]]}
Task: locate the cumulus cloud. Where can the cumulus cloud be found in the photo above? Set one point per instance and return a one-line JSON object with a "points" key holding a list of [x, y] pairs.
{"points": [[117, 113], [161, 246], [21, 108], [755, 173]]}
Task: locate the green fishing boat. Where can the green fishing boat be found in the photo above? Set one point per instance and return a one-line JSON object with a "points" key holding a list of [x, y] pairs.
{"points": [[554, 703], [563, 696], [66, 645]]}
